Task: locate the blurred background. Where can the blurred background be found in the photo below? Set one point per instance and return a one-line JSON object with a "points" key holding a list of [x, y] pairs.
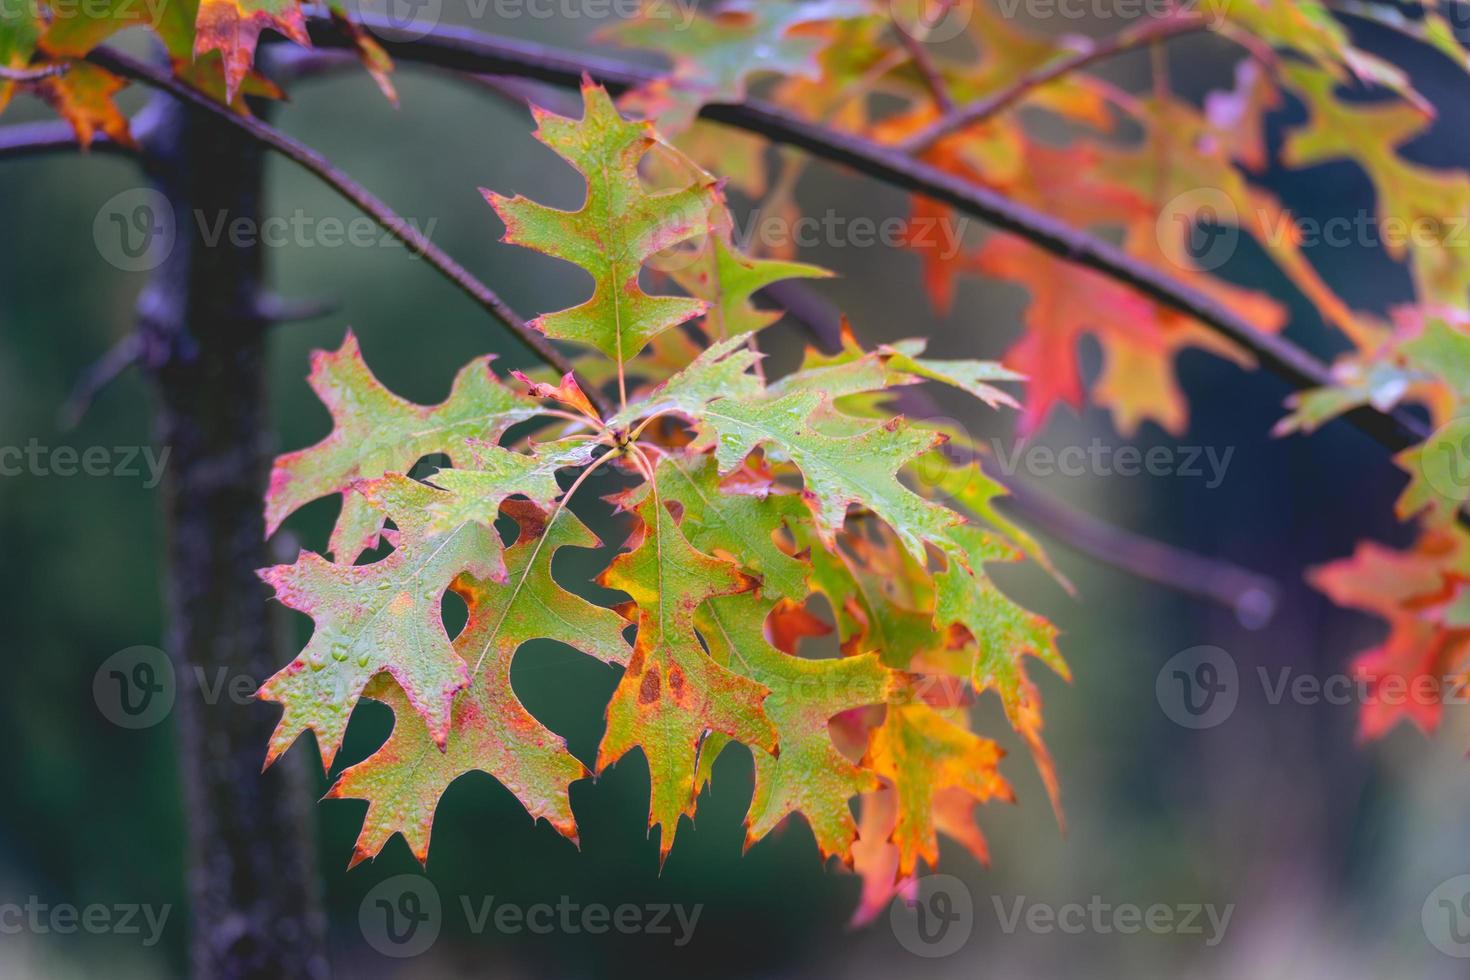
{"points": [[1324, 850]]}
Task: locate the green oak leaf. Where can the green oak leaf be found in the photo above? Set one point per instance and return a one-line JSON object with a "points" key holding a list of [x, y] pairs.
{"points": [[673, 694], [726, 279], [1001, 630], [490, 730], [809, 776], [376, 432], [716, 54], [383, 616], [620, 226], [739, 525]]}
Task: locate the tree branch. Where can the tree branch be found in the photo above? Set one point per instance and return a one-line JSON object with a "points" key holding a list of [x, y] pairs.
{"points": [[314, 162], [36, 139], [1093, 52], [477, 53]]}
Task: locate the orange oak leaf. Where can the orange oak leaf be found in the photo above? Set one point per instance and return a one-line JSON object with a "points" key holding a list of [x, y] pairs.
{"points": [[1424, 596], [233, 27], [923, 753]]}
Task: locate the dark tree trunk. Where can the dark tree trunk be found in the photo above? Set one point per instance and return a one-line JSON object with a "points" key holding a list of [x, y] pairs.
{"points": [[252, 867]]}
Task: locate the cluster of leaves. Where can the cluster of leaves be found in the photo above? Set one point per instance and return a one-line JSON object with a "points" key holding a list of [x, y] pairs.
{"points": [[753, 499], [1147, 171], [755, 506], [210, 45]]}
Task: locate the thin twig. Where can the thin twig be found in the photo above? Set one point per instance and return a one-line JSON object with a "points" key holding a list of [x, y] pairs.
{"points": [[281, 309], [32, 74], [478, 53], [928, 71], [103, 372], [36, 139], [314, 162], [997, 102]]}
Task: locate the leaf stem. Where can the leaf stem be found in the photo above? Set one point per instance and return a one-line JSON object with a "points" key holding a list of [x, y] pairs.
{"points": [[556, 510], [571, 417], [633, 436], [641, 459]]}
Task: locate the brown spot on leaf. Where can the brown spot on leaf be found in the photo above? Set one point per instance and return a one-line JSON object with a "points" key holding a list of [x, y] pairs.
{"points": [[648, 690]]}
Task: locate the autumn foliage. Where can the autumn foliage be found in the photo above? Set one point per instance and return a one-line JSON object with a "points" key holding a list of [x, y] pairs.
{"points": [[763, 513]]}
